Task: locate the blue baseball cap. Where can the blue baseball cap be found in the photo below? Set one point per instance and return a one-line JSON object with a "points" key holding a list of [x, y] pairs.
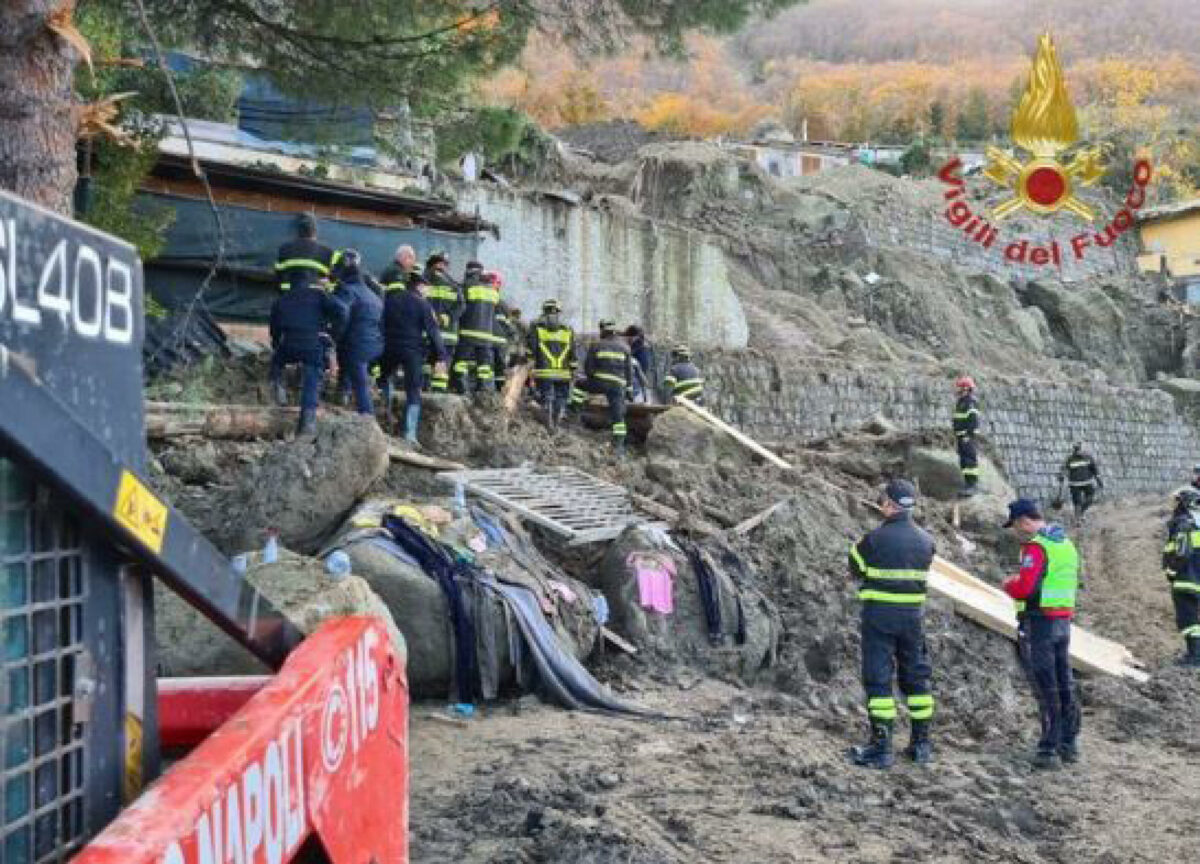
{"points": [[901, 493], [1020, 508]]}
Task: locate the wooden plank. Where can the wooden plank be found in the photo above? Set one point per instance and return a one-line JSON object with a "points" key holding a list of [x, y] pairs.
{"points": [[993, 609], [619, 641], [514, 386], [743, 439], [748, 525], [422, 460]]}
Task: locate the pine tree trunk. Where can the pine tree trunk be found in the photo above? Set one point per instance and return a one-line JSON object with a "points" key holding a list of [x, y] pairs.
{"points": [[37, 105]]}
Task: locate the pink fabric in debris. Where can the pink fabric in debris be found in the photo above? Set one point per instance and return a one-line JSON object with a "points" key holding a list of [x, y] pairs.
{"points": [[655, 577]]}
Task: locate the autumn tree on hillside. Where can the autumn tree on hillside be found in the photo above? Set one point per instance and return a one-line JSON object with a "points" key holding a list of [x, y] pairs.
{"points": [[370, 52]]}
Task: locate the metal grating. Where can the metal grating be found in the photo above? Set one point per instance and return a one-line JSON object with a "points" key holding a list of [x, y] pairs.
{"points": [[43, 586], [572, 504]]}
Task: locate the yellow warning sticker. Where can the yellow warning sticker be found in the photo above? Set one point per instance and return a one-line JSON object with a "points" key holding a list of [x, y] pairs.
{"points": [[133, 781], [141, 512]]}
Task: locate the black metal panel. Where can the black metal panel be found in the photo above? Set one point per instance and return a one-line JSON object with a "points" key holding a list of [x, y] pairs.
{"points": [[71, 301], [77, 464]]}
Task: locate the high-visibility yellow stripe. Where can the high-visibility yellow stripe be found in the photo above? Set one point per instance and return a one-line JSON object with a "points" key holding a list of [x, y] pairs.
{"points": [[303, 264], [481, 336], [604, 376], [888, 597], [611, 355], [1191, 587]]}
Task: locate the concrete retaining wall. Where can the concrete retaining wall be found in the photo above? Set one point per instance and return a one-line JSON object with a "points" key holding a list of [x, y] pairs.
{"points": [[604, 264], [1140, 440]]}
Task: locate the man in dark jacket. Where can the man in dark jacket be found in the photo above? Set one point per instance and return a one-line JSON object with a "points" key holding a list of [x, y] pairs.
{"points": [[608, 370], [303, 260], [1181, 565], [476, 336], [298, 320], [1045, 589], [446, 298], [409, 330], [1083, 479], [684, 378], [892, 565], [643, 355], [361, 342]]}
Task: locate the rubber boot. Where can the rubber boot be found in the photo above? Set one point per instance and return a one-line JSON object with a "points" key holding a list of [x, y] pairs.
{"points": [[412, 419], [1045, 759], [878, 753], [308, 421], [279, 393], [1191, 657], [920, 748], [619, 446]]}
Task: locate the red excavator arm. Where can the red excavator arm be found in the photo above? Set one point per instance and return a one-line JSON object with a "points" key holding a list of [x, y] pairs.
{"points": [[321, 749]]}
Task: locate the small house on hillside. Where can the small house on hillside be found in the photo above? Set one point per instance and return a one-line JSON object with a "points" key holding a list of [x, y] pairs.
{"points": [[1170, 245]]}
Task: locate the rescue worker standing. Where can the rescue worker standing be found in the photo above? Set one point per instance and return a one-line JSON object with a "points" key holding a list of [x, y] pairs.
{"points": [[476, 339], [608, 368], [1181, 565], [298, 321], [502, 329], [1083, 479], [361, 342], [892, 563], [552, 347], [683, 377], [445, 297], [409, 328], [1045, 590], [303, 260], [966, 424]]}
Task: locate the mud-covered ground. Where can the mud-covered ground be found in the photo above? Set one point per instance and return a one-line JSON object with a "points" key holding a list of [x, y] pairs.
{"points": [[755, 771], [758, 774]]}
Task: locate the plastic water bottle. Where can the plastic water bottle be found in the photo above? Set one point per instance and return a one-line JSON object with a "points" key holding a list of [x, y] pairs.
{"points": [[460, 498], [270, 552], [337, 565]]}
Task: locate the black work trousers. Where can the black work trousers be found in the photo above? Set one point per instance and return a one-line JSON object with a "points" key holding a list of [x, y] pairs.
{"points": [[1187, 613], [412, 361], [1082, 498], [893, 646], [968, 460], [1044, 649]]}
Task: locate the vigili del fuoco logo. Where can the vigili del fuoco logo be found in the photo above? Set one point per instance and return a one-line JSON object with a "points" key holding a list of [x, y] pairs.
{"points": [[1046, 181]]}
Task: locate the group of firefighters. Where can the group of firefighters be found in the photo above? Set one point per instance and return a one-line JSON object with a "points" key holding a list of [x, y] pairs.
{"points": [[892, 562], [443, 334]]}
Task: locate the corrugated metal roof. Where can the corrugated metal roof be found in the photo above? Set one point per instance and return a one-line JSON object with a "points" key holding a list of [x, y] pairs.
{"points": [[1169, 211]]}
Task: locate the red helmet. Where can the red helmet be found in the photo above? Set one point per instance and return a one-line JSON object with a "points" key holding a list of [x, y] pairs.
{"points": [[965, 382]]}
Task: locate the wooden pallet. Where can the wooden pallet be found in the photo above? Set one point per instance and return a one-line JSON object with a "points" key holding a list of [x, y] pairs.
{"points": [[568, 502]]}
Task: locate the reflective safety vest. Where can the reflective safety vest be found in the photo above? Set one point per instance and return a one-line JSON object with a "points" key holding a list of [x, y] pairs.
{"points": [[446, 299], [966, 416], [1180, 556], [554, 358], [609, 362], [1060, 582], [302, 262], [685, 379], [478, 321]]}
